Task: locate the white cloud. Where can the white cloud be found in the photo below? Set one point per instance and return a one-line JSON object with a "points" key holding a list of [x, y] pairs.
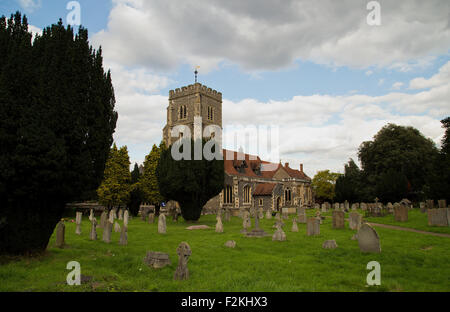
{"points": [[267, 35], [442, 77], [369, 72], [397, 85], [30, 5], [381, 82]]}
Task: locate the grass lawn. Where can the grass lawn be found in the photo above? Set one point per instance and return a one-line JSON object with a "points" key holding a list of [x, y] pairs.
{"points": [[409, 261], [416, 220]]}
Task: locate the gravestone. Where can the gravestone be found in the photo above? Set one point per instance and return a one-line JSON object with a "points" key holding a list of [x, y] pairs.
{"points": [[401, 213], [346, 206], [363, 206], [423, 207], [246, 223], [157, 260], [341, 207], [151, 218], [301, 217], [313, 226], [60, 234], [354, 207], [162, 224], [261, 214], [116, 227], [438, 217], [338, 219], [219, 225], [430, 204], [268, 214], [227, 215], [257, 231], [390, 207], [230, 244], [78, 219], [336, 206], [323, 208], [294, 225], [103, 219], [91, 215], [279, 234], [93, 235], [355, 221], [329, 244], [123, 240], [184, 252], [120, 214], [368, 239], [107, 232], [442, 203], [111, 216], [125, 217]]}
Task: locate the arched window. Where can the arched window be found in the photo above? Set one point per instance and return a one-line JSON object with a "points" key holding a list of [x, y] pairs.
{"points": [[247, 194], [228, 195], [183, 112], [210, 113], [287, 195]]}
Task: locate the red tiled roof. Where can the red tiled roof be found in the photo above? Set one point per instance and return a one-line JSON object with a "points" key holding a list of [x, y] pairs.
{"points": [[264, 189], [254, 163]]}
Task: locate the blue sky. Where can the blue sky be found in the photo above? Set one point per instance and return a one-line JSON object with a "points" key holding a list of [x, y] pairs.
{"points": [[318, 71]]}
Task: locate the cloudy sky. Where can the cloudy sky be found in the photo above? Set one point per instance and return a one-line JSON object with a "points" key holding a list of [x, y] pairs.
{"points": [[315, 69]]}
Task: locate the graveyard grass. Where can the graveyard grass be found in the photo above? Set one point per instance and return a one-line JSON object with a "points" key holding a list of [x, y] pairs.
{"points": [[409, 261]]}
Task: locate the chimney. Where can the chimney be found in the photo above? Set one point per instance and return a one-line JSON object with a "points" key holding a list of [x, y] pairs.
{"points": [[301, 167], [286, 165]]}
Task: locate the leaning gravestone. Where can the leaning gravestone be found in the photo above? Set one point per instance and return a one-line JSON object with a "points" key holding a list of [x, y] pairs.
{"points": [[123, 236], [313, 226], [401, 213], [162, 224], [125, 217], [338, 219], [93, 235], [329, 244], [157, 260], [78, 219], [438, 217], [355, 220], [442, 203], [368, 239], [184, 252], [60, 234], [219, 225]]}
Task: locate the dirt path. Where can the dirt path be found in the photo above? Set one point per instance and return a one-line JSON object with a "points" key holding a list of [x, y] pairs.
{"points": [[395, 227]]}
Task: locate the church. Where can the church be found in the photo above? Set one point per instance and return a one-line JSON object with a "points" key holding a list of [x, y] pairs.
{"points": [[246, 185]]}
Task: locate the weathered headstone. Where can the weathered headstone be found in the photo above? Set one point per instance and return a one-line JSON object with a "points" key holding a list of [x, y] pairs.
{"points": [[354, 207], [162, 224], [368, 239], [313, 226], [257, 231], [442, 203], [230, 244], [111, 216], [93, 235], [346, 206], [125, 217], [60, 234], [341, 207], [390, 207], [355, 221], [401, 213], [363, 206], [301, 216], [103, 219], [151, 218], [116, 227], [227, 215], [184, 252], [279, 234], [268, 214], [157, 260], [246, 223], [91, 215], [438, 217], [294, 225], [430, 204], [338, 219], [120, 214], [219, 225], [336, 206], [123, 240], [261, 214], [107, 232], [423, 207], [329, 244], [78, 219]]}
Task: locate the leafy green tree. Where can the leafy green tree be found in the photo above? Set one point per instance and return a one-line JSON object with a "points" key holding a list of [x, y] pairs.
{"points": [[114, 191], [149, 180], [401, 150], [136, 195], [189, 182], [57, 121], [323, 185], [351, 185]]}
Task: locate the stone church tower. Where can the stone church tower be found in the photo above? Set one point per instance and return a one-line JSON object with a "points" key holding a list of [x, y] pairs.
{"points": [[195, 106]]}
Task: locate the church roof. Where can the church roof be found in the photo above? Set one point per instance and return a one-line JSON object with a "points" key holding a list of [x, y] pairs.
{"points": [[248, 164], [263, 189]]}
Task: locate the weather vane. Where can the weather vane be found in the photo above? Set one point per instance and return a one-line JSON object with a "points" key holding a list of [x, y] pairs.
{"points": [[196, 72]]}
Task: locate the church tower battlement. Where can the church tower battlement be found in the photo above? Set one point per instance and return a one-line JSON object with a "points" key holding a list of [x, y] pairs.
{"points": [[187, 104]]}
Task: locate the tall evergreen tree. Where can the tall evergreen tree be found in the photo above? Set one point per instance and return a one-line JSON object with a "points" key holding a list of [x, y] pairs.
{"points": [[57, 120], [136, 195], [149, 181]]}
